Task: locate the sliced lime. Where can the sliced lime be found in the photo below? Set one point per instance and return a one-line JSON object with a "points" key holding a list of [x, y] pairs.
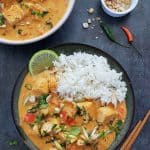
{"points": [[41, 61]]}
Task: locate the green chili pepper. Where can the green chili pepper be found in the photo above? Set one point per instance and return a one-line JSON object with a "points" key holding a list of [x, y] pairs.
{"points": [[109, 34]]}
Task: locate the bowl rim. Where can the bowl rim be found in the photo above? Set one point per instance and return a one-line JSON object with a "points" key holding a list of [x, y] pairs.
{"points": [[19, 129], [132, 7], [45, 35]]}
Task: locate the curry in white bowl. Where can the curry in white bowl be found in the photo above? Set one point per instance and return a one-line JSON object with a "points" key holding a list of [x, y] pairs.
{"points": [[27, 19]]}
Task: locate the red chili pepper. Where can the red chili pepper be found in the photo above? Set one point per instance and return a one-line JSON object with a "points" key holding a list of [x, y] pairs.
{"points": [[66, 119], [71, 121], [128, 34], [29, 118], [63, 115], [130, 38]]}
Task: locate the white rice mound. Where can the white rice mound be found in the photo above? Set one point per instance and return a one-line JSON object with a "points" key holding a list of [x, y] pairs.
{"points": [[83, 75]]}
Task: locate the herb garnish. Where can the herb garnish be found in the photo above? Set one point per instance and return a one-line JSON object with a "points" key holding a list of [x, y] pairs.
{"points": [[38, 13], [79, 111], [24, 5], [19, 31], [42, 101], [39, 119], [102, 134], [13, 142], [49, 23], [33, 109], [117, 127], [113, 128], [44, 134], [74, 131], [2, 19], [109, 33], [41, 104]]}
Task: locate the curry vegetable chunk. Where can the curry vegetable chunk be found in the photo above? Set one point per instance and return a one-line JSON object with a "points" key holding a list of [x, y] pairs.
{"points": [[53, 122], [105, 114], [14, 14], [27, 19]]}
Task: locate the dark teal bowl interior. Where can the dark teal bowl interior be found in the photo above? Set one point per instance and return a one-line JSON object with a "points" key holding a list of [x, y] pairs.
{"points": [[70, 49]]}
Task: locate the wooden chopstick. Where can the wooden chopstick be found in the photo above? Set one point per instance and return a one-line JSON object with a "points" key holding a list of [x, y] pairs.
{"points": [[138, 130], [134, 134], [130, 136]]}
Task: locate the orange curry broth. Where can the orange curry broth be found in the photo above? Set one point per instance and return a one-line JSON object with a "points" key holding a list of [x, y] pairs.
{"points": [[31, 25], [104, 143]]}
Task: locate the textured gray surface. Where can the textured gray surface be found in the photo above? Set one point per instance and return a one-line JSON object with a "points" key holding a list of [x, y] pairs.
{"points": [[14, 58]]}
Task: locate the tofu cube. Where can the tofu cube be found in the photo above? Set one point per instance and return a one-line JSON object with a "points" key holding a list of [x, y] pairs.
{"points": [[105, 114], [36, 129], [14, 14], [45, 111], [41, 84], [86, 105], [54, 121], [90, 108], [52, 82]]}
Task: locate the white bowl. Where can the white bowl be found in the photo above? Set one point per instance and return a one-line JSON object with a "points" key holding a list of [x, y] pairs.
{"points": [[54, 29], [119, 14]]}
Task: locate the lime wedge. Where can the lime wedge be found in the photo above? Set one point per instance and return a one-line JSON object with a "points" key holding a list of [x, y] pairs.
{"points": [[41, 61]]}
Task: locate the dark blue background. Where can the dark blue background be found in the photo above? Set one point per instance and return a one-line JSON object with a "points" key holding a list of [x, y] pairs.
{"points": [[14, 58]]}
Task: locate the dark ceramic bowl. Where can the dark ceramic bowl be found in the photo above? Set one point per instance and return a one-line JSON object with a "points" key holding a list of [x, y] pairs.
{"points": [[69, 49]]}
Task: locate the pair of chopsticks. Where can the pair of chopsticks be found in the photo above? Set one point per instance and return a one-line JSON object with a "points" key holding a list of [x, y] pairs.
{"points": [[135, 132]]}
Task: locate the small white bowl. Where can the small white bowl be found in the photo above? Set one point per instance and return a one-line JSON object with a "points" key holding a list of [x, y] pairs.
{"points": [[53, 30], [118, 14]]}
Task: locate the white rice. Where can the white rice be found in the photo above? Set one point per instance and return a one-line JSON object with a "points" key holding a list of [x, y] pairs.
{"points": [[83, 75]]}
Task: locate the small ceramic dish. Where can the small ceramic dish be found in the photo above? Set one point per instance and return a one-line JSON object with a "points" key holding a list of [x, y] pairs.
{"points": [[113, 13]]}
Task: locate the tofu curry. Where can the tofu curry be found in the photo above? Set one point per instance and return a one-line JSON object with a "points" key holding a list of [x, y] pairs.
{"points": [[27, 19], [55, 123]]}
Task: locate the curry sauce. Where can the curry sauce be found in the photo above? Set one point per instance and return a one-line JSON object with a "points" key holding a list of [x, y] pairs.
{"points": [[52, 122], [27, 19]]}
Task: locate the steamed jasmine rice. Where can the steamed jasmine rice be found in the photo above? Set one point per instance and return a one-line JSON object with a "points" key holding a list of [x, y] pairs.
{"points": [[83, 75]]}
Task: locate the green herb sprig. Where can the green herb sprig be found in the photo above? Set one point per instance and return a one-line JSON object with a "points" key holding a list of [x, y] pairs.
{"points": [[38, 13], [42, 101], [117, 127], [2, 19], [39, 118], [13, 142]]}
